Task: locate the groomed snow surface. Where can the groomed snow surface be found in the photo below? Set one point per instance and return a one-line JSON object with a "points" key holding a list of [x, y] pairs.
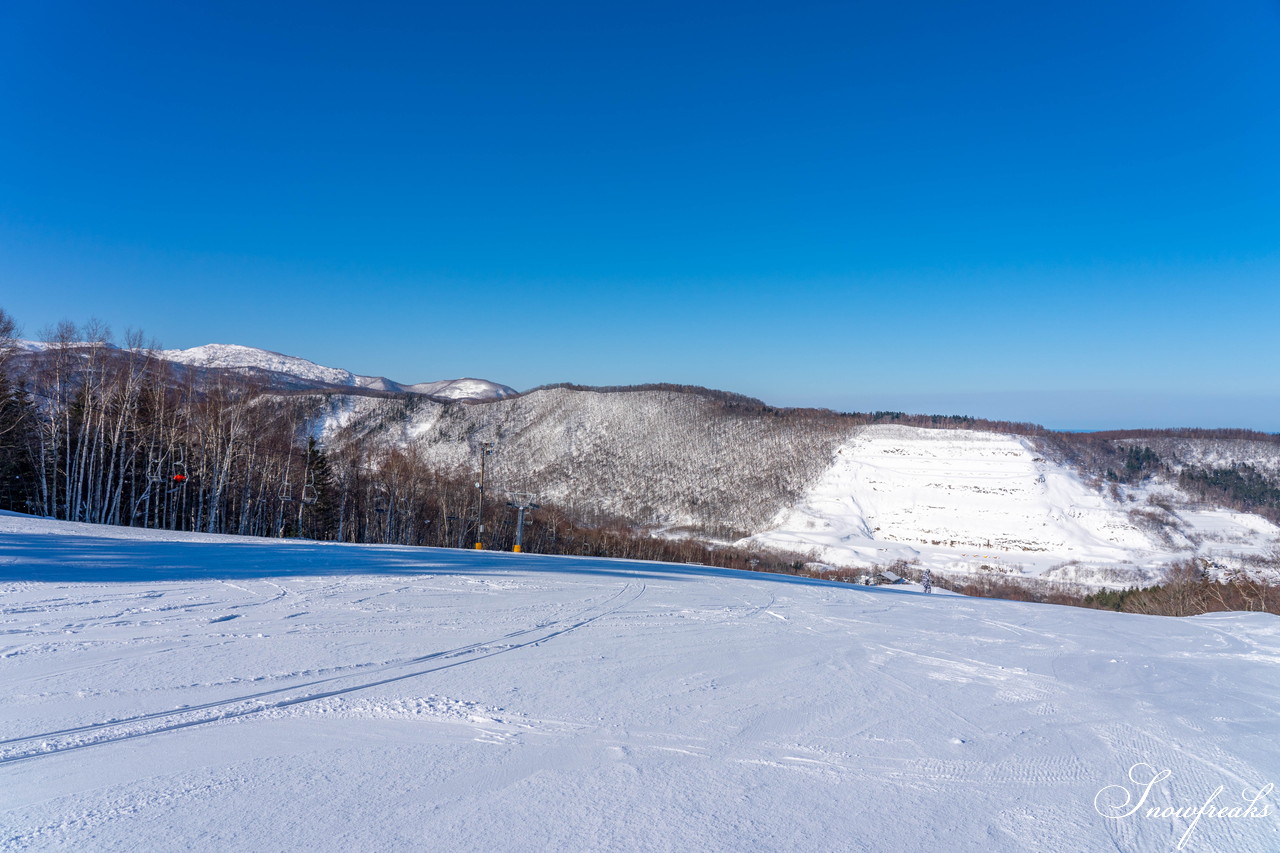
{"points": [[181, 691]]}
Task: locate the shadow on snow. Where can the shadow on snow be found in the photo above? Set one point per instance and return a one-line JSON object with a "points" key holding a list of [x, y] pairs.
{"points": [[89, 559]]}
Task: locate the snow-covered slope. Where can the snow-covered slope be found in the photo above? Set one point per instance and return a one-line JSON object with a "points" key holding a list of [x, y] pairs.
{"points": [[233, 356], [959, 500], [193, 692], [236, 356]]}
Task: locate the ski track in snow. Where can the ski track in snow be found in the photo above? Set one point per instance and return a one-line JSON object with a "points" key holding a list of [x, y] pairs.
{"points": [[396, 698], [51, 742]]}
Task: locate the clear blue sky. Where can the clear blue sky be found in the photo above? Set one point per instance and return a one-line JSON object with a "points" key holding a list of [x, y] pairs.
{"points": [[1067, 213]]}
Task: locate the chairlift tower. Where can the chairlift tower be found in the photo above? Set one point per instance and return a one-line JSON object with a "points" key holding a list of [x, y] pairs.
{"points": [[520, 501], [285, 496], [486, 450]]}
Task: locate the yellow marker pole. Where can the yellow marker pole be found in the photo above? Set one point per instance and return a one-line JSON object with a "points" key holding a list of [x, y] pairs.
{"points": [[479, 546], [516, 549]]}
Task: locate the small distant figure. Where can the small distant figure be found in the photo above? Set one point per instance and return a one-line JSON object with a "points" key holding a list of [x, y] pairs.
{"points": [[926, 580]]}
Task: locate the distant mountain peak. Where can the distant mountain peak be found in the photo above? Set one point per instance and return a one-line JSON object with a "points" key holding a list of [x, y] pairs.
{"points": [[240, 357], [237, 356], [300, 372]]}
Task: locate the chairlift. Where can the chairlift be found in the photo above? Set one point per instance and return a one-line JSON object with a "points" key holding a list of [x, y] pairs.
{"points": [[175, 478], [309, 493], [159, 472], [175, 475], [285, 494]]}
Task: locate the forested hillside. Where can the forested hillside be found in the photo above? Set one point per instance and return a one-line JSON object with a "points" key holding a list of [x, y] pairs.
{"points": [[122, 435], [686, 459]]}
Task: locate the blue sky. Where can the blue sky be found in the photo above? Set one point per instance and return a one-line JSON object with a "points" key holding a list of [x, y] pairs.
{"points": [[1065, 213]]}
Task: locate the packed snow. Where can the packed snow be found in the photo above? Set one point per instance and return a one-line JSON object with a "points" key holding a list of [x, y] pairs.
{"points": [[172, 691], [966, 502]]}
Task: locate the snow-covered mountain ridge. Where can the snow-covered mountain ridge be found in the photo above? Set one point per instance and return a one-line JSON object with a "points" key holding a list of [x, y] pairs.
{"points": [[234, 356], [288, 372]]}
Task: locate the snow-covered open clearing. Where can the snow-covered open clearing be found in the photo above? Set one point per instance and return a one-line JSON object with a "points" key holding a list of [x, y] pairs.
{"points": [[180, 691], [966, 502]]}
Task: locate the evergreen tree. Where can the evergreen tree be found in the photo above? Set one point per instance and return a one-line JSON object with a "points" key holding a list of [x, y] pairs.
{"points": [[17, 421], [321, 511]]}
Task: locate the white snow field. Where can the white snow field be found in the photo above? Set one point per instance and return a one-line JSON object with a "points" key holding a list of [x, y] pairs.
{"points": [[961, 500], [191, 692]]}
